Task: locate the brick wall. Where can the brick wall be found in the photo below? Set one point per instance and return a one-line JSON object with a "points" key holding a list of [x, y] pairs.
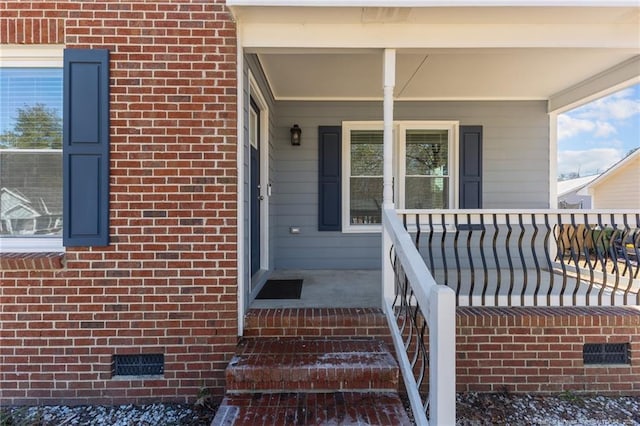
{"points": [[167, 283], [540, 349]]}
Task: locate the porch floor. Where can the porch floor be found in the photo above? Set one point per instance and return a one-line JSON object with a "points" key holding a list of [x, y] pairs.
{"points": [[330, 289], [363, 288]]}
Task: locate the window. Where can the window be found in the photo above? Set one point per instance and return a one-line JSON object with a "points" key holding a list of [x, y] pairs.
{"points": [[365, 177], [31, 152], [424, 170]]}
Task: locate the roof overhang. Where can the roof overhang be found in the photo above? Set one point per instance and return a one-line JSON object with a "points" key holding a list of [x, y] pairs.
{"points": [[561, 51], [625, 162]]}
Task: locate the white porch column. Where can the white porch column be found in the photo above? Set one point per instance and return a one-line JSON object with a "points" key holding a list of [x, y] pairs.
{"points": [[389, 77]]}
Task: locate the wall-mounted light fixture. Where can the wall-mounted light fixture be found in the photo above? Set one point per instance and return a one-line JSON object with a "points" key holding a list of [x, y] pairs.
{"points": [[296, 135]]}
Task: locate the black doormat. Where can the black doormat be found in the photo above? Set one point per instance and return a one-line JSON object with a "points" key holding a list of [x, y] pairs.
{"points": [[281, 289]]}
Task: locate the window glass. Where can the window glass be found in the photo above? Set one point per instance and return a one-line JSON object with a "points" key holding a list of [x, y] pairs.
{"points": [[427, 169], [30, 152], [365, 184]]}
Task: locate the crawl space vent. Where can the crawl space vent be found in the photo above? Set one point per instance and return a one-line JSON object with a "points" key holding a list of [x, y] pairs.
{"points": [[605, 353], [138, 365]]}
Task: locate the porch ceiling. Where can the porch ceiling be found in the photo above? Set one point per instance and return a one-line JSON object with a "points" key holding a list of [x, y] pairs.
{"points": [[443, 74]]}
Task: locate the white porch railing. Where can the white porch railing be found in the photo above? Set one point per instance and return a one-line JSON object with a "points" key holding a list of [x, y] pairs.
{"points": [[493, 258], [414, 304], [531, 258]]}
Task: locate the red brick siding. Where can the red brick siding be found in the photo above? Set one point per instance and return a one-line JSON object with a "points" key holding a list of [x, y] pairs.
{"points": [[540, 349], [168, 281]]}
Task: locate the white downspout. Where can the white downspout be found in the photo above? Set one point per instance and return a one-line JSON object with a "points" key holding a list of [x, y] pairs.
{"points": [[389, 77]]}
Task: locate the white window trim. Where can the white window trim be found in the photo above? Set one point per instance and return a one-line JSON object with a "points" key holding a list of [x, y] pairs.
{"points": [[399, 166], [35, 56]]}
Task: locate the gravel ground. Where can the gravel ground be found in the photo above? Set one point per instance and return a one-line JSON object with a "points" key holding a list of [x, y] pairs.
{"points": [[564, 409], [472, 409], [100, 415]]}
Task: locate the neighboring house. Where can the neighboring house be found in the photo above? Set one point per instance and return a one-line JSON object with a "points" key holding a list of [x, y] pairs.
{"points": [[183, 191], [619, 186], [571, 193], [30, 192], [20, 216]]}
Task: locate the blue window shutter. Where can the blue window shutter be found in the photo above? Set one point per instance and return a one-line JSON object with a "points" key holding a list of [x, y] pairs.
{"points": [[85, 149], [329, 168], [470, 167]]}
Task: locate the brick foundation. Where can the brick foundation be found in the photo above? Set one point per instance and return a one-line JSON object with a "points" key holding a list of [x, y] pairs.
{"points": [[540, 349], [168, 281]]}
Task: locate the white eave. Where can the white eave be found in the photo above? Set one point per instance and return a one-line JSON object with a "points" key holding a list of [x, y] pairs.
{"points": [[430, 3]]}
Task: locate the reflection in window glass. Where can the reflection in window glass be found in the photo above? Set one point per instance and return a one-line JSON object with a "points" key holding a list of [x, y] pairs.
{"points": [[427, 169], [30, 152], [366, 176]]}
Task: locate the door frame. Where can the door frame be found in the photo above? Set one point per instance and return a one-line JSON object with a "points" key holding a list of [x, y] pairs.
{"points": [[260, 276]]}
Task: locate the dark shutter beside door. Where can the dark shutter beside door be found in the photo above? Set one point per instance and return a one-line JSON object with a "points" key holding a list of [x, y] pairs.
{"points": [[470, 167], [86, 147], [329, 193]]}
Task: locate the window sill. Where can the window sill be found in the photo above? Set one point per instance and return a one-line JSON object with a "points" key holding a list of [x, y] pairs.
{"points": [[31, 261]]}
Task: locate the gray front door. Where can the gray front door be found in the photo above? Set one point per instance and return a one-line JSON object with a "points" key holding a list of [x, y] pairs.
{"points": [[256, 195]]}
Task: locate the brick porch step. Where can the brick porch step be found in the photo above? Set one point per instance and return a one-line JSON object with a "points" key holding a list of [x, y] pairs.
{"points": [[317, 322], [313, 366], [335, 408], [291, 365]]}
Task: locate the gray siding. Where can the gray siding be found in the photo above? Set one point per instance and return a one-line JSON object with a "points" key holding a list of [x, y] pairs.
{"points": [[515, 164]]}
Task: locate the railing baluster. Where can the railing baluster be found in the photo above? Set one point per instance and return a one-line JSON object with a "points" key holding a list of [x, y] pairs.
{"points": [[431, 264], [417, 240], [536, 291], [636, 249], [444, 254], [548, 257], [576, 257], [626, 235], [497, 259], [472, 284], [561, 227], [614, 257], [522, 261], [509, 261], [484, 260], [588, 261], [457, 257], [601, 255]]}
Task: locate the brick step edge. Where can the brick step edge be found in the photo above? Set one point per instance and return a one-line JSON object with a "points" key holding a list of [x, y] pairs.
{"points": [[278, 365], [316, 322], [362, 408]]}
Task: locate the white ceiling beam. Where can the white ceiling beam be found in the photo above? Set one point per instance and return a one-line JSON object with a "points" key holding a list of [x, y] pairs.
{"points": [[616, 78], [405, 35]]}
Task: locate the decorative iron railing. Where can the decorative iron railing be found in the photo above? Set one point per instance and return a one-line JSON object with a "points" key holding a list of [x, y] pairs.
{"points": [[416, 306], [531, 258]]}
